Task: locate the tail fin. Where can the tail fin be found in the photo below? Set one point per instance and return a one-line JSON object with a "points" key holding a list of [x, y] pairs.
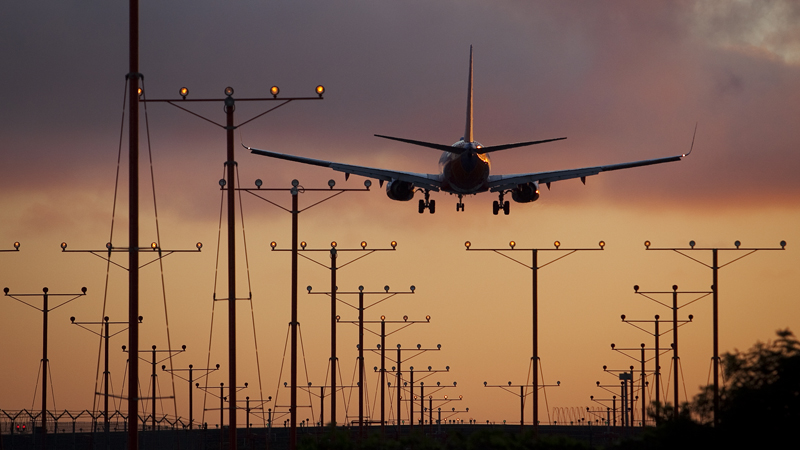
{"points": [[468, 130]]}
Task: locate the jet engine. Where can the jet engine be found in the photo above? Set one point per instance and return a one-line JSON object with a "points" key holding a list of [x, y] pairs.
{"points": [[400, 190], [525, 193]]}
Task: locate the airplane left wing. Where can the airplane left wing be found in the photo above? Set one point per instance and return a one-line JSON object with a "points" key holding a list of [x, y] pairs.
{"points": [[499, 183], [421, 180]]}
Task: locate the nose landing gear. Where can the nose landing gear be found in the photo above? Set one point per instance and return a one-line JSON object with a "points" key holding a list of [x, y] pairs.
{"points": [[459, 205], [427, 203], [498, 205]]}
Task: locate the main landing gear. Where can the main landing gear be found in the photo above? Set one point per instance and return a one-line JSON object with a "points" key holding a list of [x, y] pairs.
{"points": [[459, 205], [427, 203], [498, 205]]}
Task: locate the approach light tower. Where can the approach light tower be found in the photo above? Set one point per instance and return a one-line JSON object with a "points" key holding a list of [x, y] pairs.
{"points": [[228, 184]]}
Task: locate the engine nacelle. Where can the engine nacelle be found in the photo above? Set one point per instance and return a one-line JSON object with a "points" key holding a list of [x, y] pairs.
{"points": [[525, 193], [400, 190]]}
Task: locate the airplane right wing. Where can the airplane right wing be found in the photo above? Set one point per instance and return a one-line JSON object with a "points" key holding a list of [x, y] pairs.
{"points": [[421, 180], [499, 183]]}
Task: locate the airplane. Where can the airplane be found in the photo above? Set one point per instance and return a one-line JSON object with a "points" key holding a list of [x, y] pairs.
{"points": [[464, 169]]}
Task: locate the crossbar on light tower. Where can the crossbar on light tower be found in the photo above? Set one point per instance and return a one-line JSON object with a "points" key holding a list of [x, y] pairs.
{"points": [[534, 268], [715, 266]]}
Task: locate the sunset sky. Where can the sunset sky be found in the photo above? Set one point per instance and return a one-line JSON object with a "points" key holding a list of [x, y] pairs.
{"points": [[623, 81]]}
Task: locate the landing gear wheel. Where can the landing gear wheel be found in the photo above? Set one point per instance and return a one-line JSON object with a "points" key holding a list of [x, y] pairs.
{"points": [[506, 208], [495, 207], [432, 206], [421, 206], [459, 207]]}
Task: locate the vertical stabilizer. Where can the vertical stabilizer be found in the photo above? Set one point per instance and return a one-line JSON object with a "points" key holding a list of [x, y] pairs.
{"points": [[468, 130]]}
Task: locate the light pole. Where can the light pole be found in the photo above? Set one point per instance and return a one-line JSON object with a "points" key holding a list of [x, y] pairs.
{"points": [[45, 310], [534, 268], [522, 394], [611, 412], [715, 266], [627, 398], [643, 379], [105, 335], [205, 372], [334, 267], [399, 375], [382, 349], [154, 376], [133, 267], [657, 350], [229, 102], [295, 211], [386, 295], [675, 324], [440, 401], [222, 400]]}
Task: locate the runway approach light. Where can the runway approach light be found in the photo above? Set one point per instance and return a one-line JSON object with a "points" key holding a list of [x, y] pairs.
{"points": [[364, 244], [184, 92], [333, 244], [228, 91], [199, 246], [467, 244], [512, 244], [140, 92], [274, 91], [602, 244], [393, 244], [557, 244], [320, 90], [303, 245], [647, 244], [273, 244]]}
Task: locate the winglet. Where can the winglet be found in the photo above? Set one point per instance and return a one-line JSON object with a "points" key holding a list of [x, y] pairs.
{"points": [[692, 146], [468, 128]]}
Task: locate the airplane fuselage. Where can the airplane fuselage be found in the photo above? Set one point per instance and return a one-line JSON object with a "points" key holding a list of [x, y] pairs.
{"points": [[465, 173]]}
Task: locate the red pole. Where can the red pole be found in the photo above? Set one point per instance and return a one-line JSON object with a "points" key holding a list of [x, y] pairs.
{"points": [[333, 336], [293, 326], [133, 228], [535, 282], [45, 310], [361, 361], [715, 289], [231, 194], [675, 348]]}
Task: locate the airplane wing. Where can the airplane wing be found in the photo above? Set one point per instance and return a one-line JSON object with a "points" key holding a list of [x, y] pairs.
{"points": [[422, 180], [499, 183]]}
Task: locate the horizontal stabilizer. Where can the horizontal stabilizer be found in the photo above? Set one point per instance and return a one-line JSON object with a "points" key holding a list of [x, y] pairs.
{"points": [[442, 147], [495, 148]]}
